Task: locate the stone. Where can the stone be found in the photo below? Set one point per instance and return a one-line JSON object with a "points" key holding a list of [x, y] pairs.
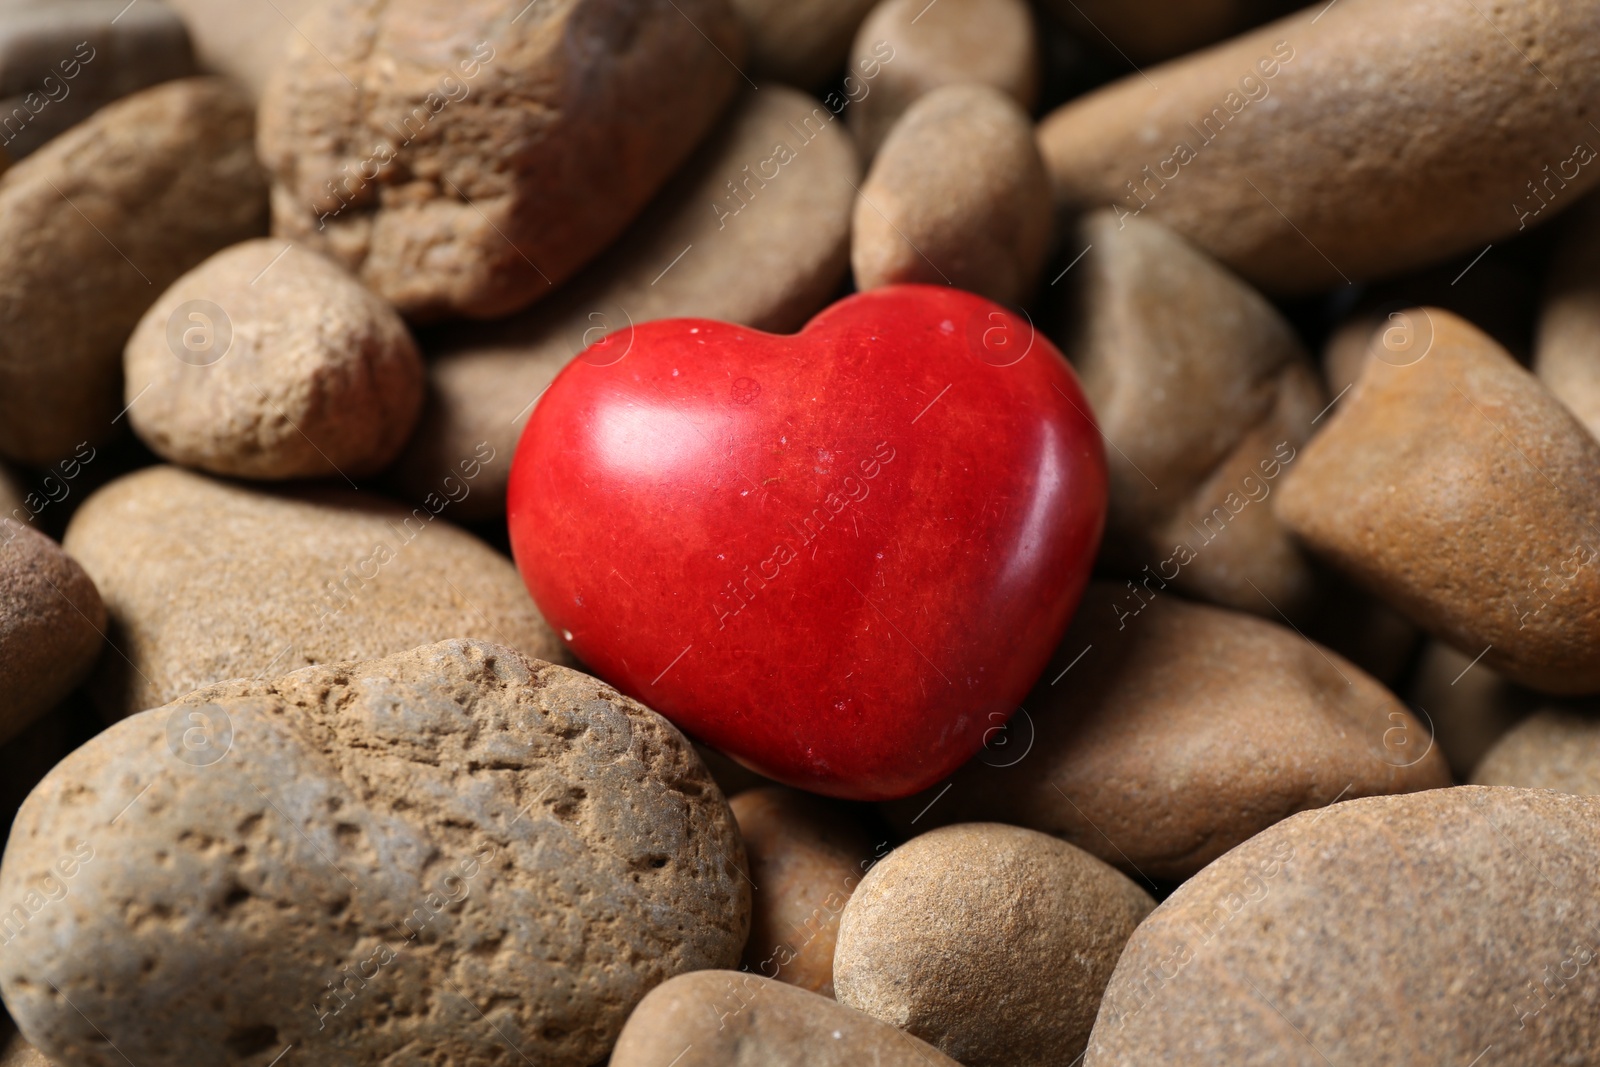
{"points": [[1145, 31], [1292, 153], [60, 61], [242, 39], [801, 44], [454, 849], [1408, 929], [473, 162], [92, 227], [992, 943], [919, 46], [1466, 706], [1182, 731], [768, 252], [207, 580], [957, 195], [1555, 748], [806, 855], [1566, 359], [757, 1022], [1205, 397], [18, 1053], [1422, 486], [51, 625], [270, 361]]}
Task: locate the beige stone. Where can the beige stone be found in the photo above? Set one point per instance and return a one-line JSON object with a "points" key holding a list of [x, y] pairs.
{"points": [[207, 580], [452, 849], [1293, 153], [1205, 397], [465, 160], [92, 227], [806, 855], [992, 943], [922, 46], [1408, 929], [801, 44], [1182, 731], [738, 1019], [956, 196], [1567, 358], [51, 622], [1467, 706], [271, 361], [1556, 748], [767, 253], [1452, 485]]}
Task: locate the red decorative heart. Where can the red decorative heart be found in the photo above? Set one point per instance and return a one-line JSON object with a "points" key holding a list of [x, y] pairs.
{"points": [[842, 557]]}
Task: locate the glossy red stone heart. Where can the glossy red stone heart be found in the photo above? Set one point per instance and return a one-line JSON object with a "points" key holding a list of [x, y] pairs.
{"points": [[842, 556]]}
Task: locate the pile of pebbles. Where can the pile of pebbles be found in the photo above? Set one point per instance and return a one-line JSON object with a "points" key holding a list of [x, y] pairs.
{"points": [[298, 774]]}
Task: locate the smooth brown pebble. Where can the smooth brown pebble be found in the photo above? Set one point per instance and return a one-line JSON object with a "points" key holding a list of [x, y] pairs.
{"points": [[51, 621], [916, 47], [1411, 929], [206, 580], [1166, 732], [270, 361], [1421, 485], [472, 161], [806, 855], [1294, 153], [1206, 396], [800, 43], [1468, 707], [1567, 356], [956, 196], [738, 1019], [92, 227], [768, 253], [992, 943], [1555, 748]]}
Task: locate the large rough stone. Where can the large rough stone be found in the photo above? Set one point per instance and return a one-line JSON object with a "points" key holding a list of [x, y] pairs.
{"points": [[453, 849], [92, 228], [208, 580], [466, 159], [992, 943], [1439, 927], [1453, 486], [51, 622], [767, 252]]}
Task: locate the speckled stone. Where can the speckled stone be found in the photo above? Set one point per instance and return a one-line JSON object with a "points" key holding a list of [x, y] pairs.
{"points": [[51, 621], [1556, 748]]}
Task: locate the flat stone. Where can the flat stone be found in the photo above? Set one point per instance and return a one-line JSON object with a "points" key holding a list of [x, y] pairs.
{"points": [[51, 621]]}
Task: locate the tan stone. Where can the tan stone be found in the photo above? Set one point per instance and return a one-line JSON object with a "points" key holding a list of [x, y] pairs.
{"points": [[1182, 731], [956, 196], [1567, 358], [1293, 153], [1452, 485], [768, 256], [1409, 929], [92, 227], [799, 43], [453, 848], [270, 361], [475, 159], [207, 580], [992, 943], [51, 621], [922, 46], [1466, 705], [738, 1019], [1205, 397], [1556, 748], [806, 855]]}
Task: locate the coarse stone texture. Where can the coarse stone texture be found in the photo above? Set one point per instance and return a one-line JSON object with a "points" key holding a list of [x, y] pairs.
{"points": [[1556, 748], [1567, 356], [1293, 153], [921, 47], [271, 361], [1407, 929], [466, 159], [207, 580], [990, 942], [806, 855], [92, 227], [1423, 486], [1182, 731], [757, 1022], [451, 849], [956, 195], [799, 42], [1206, 397], [51, 621], [769, 253]]}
